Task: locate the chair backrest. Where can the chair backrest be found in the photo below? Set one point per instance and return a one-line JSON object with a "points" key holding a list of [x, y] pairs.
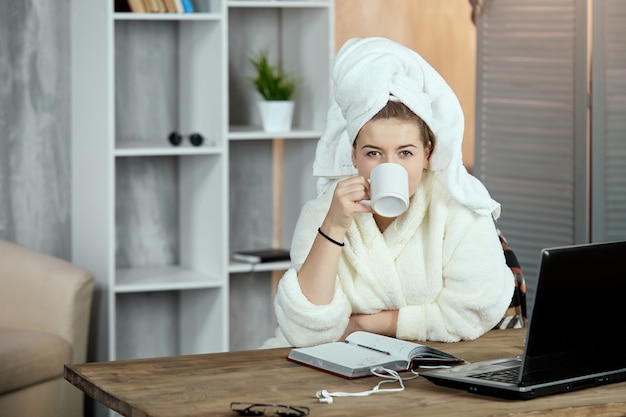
{"points": [[515, 316]]}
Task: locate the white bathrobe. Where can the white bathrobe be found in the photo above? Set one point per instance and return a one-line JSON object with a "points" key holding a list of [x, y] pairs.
{"points": [[440, 264]]}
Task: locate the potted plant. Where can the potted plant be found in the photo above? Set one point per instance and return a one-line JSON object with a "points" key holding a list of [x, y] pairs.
{"points": [[277, 90]]}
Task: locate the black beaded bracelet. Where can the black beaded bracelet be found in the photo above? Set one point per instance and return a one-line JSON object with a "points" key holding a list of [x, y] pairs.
{"points": [[330, 239]]}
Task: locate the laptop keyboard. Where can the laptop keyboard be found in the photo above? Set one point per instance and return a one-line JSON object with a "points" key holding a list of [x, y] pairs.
{"points": [[510, 375]]}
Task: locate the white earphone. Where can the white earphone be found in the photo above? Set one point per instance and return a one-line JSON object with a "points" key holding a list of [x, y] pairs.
{"points": [[388, 375], [324, 396]]}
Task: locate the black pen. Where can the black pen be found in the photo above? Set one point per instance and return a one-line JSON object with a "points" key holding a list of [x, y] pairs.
{"points": [[368, 347]]}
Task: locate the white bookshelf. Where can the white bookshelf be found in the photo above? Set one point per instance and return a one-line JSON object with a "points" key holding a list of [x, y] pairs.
{"points": [[156, 223]]}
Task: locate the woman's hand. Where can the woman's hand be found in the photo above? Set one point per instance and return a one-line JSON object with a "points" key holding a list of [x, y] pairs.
{"points": [[384, 322], [345, 203]]}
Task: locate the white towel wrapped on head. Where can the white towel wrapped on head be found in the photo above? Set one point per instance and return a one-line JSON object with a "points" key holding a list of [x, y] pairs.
{"points": [[365, 73]]}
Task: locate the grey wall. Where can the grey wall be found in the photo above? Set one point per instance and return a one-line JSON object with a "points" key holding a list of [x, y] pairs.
{"points": [[35, 124]]}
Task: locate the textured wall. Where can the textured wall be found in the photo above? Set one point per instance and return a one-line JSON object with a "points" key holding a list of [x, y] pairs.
{"points": [[35, 124]]}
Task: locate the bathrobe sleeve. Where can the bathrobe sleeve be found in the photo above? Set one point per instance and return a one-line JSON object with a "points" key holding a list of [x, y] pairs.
{"points": [[302, 322], [476, 284]]}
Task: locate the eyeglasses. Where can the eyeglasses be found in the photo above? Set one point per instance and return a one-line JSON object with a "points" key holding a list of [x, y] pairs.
{"points": [[249, 409]]}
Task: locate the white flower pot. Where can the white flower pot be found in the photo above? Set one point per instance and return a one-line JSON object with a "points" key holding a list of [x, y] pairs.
{"points": [[276, 116]]}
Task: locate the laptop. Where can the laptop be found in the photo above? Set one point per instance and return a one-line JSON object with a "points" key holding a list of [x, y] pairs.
{"points": [[575, 335]]}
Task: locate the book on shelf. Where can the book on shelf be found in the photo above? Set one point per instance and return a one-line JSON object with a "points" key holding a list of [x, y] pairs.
{"points": [[162, 6], [137, 6], [170, 6], [188, 6], [179, 6], [154, 6], [149, 6], [363, 351], [261, 255]]}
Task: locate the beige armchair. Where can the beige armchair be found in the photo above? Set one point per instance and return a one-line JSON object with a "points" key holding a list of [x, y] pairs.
{"points": [[45, 305]]}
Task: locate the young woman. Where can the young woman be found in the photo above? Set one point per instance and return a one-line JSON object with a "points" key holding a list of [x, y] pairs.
{"points": [[437, 271]]}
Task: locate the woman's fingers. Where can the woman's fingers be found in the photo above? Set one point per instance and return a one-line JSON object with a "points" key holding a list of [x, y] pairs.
{"points": [[346, 199], [352, 189]]}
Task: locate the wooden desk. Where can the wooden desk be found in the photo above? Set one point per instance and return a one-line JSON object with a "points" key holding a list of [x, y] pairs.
{"points": [[204, 385]]}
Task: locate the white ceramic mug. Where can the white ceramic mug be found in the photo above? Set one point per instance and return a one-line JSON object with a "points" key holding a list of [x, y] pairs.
{"points": [[389, 190]]}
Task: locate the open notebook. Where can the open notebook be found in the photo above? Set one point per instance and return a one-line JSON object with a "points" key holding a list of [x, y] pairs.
{"points": [[364, 351], [575, 336]]}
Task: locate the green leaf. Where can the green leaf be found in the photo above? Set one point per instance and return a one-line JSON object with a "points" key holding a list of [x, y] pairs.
{"points": [[270, 81]]}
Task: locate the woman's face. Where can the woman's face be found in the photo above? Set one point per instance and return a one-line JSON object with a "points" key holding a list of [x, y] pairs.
{"points": [[391, 140]]}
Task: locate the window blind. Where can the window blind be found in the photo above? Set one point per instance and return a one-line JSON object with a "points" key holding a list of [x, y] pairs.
{"points": [[531, 122], [609, 121]]}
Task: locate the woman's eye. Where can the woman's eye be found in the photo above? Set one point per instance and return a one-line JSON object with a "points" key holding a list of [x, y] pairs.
{"points": [[373, 153], [406, 153]]}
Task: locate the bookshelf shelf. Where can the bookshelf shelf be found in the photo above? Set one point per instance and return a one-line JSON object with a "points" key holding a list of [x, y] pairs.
{"points": [[150, 149], [168, 16], [165, 278], [242, 268], [253, 132]]}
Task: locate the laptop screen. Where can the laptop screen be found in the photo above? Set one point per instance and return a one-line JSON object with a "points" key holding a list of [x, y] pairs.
{"points": [[576, 326]]}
